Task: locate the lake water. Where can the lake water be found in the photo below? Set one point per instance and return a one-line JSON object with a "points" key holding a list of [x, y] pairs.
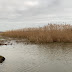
{"points": [[21, 57]]}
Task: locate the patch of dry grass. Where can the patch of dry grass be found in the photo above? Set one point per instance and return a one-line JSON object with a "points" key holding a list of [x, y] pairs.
{"points": [[49, 33]]}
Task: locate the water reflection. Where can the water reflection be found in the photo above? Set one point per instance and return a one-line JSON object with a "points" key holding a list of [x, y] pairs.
{"points": [[53, 57]]}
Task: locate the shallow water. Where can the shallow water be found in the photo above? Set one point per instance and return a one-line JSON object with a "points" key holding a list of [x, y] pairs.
{"points": [[21, 57]]}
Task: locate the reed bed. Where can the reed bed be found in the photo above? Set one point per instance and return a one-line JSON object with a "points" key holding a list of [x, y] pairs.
{"points": [[46, 34]]}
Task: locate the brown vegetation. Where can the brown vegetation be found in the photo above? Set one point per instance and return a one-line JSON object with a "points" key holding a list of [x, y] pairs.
{"points": [[46, 34]]}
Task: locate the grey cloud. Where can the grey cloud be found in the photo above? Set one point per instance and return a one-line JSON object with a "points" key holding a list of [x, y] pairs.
{"points": [[17, 13], [13, 10], [44, 7]]}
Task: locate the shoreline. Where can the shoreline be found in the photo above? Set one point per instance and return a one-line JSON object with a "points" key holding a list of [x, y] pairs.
{"points": [[4, 41]]}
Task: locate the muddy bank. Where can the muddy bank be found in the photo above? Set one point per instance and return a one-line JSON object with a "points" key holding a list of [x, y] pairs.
{"points": [[5, 41]]}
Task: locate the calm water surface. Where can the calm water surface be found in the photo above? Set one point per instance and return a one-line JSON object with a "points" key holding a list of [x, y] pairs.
{"points": [[21, 57]]}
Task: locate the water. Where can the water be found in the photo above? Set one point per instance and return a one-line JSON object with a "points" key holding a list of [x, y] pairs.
{"points": [[21, 57]]}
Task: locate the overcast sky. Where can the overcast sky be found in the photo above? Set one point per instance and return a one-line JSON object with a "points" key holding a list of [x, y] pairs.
{"points": [[34, 11]]}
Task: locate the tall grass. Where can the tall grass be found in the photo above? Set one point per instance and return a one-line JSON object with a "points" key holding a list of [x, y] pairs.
{"points": [[49, 33]]}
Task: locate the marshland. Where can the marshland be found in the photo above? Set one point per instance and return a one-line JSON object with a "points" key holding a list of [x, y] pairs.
{"points": [[35, 35], [50, 33], [41, 49]]}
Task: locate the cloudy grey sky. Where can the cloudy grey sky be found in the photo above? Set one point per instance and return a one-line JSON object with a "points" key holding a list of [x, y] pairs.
{"points": [[16, 12]]}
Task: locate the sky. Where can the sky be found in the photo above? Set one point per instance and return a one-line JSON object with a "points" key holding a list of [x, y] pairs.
{"points": [[16, 14]]}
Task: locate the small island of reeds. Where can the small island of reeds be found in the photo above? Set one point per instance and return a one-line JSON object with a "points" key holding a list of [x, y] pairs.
{"points": [[50, 33]]}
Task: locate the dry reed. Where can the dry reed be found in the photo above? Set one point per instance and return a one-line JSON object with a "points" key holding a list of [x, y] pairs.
{"points": [[46, 34]]}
